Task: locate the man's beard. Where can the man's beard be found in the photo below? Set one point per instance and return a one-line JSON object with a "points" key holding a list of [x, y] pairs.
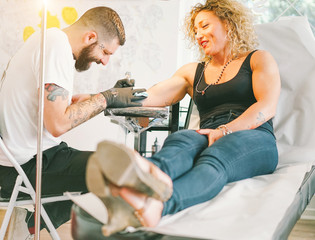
{"points": [[85, 58]]}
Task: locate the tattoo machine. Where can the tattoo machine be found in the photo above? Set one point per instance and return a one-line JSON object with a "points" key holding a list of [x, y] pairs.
{"points": [[142, 94], [128, 75]]}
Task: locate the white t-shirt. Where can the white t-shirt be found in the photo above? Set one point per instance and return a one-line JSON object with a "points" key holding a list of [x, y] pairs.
{"points": [[19, 93]]}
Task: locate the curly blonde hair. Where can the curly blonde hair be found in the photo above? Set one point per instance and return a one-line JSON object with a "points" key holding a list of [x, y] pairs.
{"points": [[241, 34]]}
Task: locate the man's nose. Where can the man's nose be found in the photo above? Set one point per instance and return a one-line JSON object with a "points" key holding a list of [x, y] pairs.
{"points": [[105, 60]]}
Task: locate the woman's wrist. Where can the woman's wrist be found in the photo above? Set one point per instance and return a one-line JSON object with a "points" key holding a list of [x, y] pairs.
{"points": [[225, 130]]}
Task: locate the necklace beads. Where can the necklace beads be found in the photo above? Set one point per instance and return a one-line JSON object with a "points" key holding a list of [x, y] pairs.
{"points": [[215, 83]]}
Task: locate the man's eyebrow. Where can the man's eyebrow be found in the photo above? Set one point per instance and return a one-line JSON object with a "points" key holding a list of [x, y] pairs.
{"points": [[107, 52]]}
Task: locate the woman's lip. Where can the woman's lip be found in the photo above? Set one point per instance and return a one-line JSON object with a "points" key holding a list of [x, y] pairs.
{"points": [[204, 44]]}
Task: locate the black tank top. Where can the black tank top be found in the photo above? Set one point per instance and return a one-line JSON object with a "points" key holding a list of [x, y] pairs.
{"points": [[235, 94]]}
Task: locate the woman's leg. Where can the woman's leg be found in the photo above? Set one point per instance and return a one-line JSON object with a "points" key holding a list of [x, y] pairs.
{"points": [[175, 159], [179, 150], [237, 156]]}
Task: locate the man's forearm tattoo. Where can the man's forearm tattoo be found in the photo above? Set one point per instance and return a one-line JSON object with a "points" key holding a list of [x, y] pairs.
{"points": [[83, 111], [55, 91], [78, 112]]}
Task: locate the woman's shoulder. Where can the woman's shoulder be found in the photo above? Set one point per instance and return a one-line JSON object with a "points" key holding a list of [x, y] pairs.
{"points": [[187, 71], [190, 65], [260, 56], [188, 68], [262, 59]]}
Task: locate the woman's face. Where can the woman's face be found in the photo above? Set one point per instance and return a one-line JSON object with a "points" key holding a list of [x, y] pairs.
{"points": [[211, 33]]}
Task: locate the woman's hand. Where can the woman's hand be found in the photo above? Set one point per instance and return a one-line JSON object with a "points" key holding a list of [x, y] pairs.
{"points": [[213, 134]]}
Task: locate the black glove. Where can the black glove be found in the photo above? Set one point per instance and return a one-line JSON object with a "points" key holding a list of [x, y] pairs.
{"points": [[125, 83], [123, 97]]}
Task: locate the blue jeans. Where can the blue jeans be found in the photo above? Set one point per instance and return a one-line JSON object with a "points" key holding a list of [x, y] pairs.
{"points": [[200, 172]]}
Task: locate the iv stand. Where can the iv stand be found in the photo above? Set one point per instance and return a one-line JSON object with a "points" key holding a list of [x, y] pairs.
{"points": [[40, 124]]}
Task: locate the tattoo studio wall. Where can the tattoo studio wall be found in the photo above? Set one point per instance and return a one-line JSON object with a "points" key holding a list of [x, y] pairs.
{"points": [[150, 51]]}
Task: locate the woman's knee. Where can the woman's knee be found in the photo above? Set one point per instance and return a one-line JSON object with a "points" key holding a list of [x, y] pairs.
{"points": [[246, 145], [186, 137]]}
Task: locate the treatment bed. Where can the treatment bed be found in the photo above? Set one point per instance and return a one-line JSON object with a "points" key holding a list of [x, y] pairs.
{"points": [[264, 207]]}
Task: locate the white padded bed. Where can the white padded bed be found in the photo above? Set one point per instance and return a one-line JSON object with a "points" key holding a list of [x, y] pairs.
{"points": [[264, 207]]}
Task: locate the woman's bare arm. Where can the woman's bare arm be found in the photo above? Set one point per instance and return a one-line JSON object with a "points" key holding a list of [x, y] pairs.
{"points": [[172, 90], [266, 87]]}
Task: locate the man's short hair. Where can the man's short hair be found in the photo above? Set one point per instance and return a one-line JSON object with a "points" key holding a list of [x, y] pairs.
{"points": [[105, 22]]}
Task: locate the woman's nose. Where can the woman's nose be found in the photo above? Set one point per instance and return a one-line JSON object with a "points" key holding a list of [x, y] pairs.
{"points": [[198, 35]]}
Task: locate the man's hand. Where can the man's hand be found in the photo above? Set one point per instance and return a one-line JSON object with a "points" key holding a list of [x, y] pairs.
{"points": [[123, 83], [123, 97]]}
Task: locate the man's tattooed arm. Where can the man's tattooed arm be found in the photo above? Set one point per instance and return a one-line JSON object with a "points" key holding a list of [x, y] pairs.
{"points": [[82, 111], [55, 91], [79, 111]]}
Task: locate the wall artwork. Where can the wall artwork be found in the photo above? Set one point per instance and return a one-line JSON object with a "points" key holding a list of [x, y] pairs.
{"points": [[149, 52]]}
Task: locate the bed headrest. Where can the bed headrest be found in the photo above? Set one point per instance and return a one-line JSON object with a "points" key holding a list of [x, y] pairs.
{"points": [[291, 42]]}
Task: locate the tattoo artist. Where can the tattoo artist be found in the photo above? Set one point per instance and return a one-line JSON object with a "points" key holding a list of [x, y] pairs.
{"points": [[93, 38]]}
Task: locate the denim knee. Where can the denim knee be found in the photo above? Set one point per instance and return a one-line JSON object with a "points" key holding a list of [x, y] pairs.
{"points": [[185, 137], [179, 151], [242, 154]]}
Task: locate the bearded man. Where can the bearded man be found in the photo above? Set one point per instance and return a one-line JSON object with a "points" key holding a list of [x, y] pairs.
{"points": [[93, 38]]}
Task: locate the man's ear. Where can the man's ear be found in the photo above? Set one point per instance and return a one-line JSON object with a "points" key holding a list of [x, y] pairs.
{"points": [[90, 37]]}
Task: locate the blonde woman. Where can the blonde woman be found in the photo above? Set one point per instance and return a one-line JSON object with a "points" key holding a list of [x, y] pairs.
{"points": [[236, 89]]}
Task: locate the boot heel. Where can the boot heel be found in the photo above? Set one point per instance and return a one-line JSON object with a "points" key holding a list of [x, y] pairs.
{"points": [[120, 216], [119, 164], [95, 181]]}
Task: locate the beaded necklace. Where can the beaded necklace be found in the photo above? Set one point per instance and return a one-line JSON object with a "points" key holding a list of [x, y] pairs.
{"points": [[216, 82]]}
